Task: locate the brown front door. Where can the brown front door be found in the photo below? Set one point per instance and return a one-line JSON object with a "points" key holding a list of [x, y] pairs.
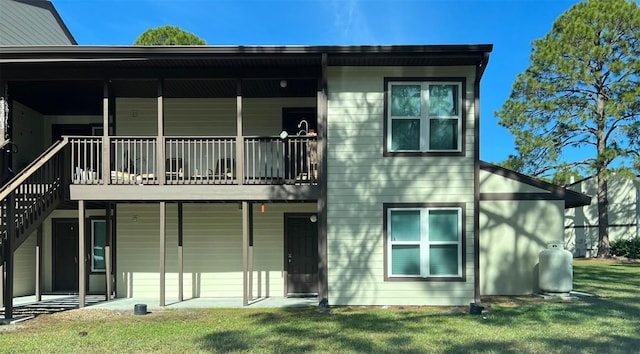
{"points": [[65, 255], [301, 254]]}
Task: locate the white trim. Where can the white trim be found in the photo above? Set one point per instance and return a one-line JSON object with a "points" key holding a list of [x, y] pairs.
{"points": [[424, 243], [424, 117]]}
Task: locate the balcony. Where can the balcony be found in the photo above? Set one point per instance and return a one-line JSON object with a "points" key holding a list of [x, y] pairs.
{"points": [[194, 160]]}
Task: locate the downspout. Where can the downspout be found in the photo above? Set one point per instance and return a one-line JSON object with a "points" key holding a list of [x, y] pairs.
{"points": [[476, 178]]}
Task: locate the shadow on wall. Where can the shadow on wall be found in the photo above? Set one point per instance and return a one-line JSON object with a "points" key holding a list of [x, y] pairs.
{"points": [[512, 235], [212, 248], [361, 180]]}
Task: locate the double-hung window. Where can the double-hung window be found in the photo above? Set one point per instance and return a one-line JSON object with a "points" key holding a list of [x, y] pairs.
{"points": [[424, 242], [424, 116]]}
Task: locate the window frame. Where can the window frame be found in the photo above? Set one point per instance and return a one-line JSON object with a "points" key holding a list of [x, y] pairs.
{"points": [[92, 222], [425, 119], [424, 242]]}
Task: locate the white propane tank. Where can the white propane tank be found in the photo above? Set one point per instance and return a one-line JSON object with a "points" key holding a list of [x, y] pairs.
{"points": [[555, 269]]}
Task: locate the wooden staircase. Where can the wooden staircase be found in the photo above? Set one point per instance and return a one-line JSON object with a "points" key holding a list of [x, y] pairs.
{"points": [[25, 202]]}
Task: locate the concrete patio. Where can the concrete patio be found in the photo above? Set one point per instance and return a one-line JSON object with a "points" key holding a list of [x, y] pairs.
{"points": [[26, 306]]}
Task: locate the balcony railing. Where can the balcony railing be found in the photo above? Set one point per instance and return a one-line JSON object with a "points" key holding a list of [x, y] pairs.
{"points": [[195, 160]]}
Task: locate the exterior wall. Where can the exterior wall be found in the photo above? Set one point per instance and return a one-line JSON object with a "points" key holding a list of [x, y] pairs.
{"points": [[512, 235], [211, 116], [27, 135], [50, 120], [581, 234], [360, 180], [24, 271], [97, 282], [494, 183], [212, 246], [25, 259]]}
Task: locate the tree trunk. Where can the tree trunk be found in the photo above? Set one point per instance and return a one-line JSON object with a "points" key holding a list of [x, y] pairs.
{"points": [[603, 219]]}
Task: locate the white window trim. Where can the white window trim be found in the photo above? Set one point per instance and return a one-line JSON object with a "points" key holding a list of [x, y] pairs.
{"points": [[424, 115], [424, 243], [93, 242]]}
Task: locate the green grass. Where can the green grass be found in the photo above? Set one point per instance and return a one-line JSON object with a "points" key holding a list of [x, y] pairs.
{"points": [[609, 323]]}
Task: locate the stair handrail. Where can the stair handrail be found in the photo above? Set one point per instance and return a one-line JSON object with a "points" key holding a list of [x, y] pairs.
{"points": [[22, 176]]}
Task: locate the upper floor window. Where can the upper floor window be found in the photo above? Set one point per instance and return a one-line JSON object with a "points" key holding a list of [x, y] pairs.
{"points": [[424, 116]]}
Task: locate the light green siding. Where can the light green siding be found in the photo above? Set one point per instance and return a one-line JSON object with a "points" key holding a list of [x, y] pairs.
{"points": [[581, 236], [512, 235], [25, 259], [203, 116], [494, 183], [360, 180], [212, 250], [24, 273]]}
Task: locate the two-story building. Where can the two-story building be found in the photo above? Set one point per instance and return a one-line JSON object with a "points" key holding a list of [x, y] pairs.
{"points": [[350, 173]]}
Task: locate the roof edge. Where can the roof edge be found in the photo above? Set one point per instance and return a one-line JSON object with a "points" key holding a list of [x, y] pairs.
{"points": [[572, 199], [471, 49]]}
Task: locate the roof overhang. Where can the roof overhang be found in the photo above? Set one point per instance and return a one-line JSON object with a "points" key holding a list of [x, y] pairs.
{"points": [[246, 56]]}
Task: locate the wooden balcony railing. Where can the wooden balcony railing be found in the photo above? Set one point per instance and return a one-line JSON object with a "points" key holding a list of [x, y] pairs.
{"points": [[133, 160], [272, 160], [202, 160], [196, 160]]}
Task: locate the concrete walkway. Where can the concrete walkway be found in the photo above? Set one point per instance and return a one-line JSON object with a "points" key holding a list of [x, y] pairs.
{"points": [[27, 305], [199, 303]]}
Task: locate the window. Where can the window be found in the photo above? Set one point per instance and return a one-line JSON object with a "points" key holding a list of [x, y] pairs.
{"points": [[424, 242], [98, 244], [424, 116]]}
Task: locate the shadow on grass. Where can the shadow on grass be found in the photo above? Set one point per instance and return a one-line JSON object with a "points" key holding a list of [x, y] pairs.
{"points": [[605, 323]]}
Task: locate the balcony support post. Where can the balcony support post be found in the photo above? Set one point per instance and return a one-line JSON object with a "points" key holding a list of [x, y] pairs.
{"points": [[160, 168], [239, 134], [107, 251], [245, 252], [163, 251], [81, 256], [8, 257], [180, 255], [39, 264], [106, 145]]}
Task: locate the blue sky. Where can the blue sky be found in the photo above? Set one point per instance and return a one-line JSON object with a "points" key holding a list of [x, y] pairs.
{"points": [[510, 25]]}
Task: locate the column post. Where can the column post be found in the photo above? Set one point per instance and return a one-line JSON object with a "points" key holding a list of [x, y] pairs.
{"points": [[81, 256]]}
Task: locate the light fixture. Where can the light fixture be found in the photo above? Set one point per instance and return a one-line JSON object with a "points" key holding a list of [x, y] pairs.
{"points": [[262, 208], [313, 218], [283, 83], [284, 134]]}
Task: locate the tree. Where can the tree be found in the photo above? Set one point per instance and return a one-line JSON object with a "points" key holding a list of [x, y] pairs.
{"points": [[581, 94], [168, 35]]}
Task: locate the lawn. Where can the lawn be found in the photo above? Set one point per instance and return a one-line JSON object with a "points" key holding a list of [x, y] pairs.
{"points": [[608, 323]]}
